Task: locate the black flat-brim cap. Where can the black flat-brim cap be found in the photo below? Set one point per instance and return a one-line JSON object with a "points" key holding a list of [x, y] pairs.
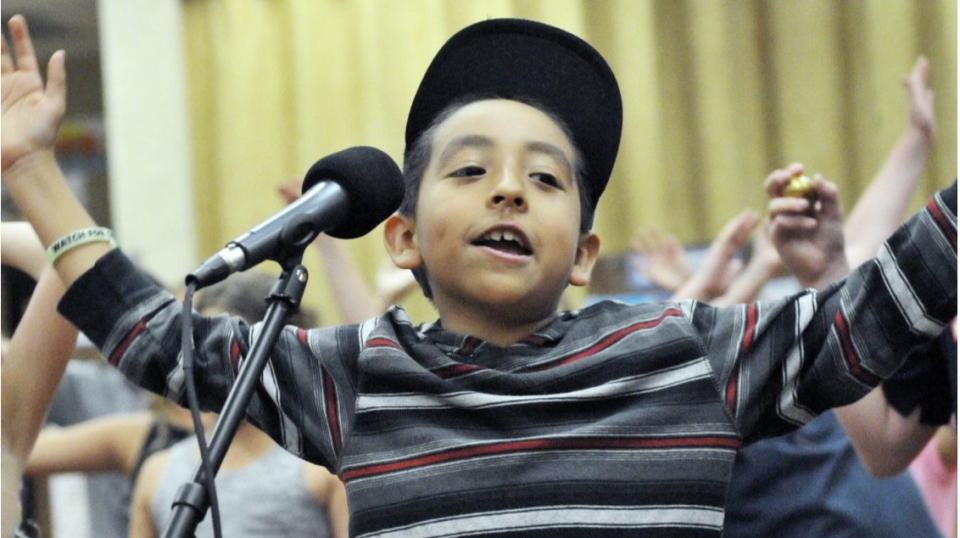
{"points": [[521, 59]]}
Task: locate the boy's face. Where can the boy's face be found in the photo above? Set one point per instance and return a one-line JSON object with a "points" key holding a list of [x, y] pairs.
{"points": [[498, 215]]}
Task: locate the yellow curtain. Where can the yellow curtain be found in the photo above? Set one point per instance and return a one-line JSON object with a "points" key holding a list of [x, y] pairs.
{"points": [[716, 94]]}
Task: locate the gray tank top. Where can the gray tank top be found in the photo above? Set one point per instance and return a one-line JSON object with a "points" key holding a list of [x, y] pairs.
{"points": [[268, 497]]}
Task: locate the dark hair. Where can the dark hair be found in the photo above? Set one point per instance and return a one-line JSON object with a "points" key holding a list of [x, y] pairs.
{"points": [[416, 158], [244, 295]]}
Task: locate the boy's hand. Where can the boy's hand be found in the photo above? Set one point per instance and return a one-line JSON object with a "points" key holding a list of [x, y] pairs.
{"points": [[920, 98], [809, 238], [31, 113]]}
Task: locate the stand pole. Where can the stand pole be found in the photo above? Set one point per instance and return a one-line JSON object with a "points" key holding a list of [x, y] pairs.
{"points": [[192, 502]]}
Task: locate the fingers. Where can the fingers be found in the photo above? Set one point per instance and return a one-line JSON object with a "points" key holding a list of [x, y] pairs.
{"points": [[920, 73], [916, 82], [796, 223], [778, 179], [645, 242], [763, 247], [730, 240], [730, 272], [734, 234], [746, 221], [672, 246], [289, 190], [653, 242], [763, 233], [7, 60], [782, 206], [22, 45], [666, 242], [920, 97], [790, 214], [828, 198], [57, 80], [798, 215], [664, 261], [639, 242], [656, 236]]}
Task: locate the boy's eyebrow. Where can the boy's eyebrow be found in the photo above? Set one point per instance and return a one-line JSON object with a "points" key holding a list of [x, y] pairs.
{"points": [[465, 141], [553, 151], [481, 141]]}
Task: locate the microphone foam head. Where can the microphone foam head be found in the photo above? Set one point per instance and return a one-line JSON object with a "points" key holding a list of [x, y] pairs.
{"points": [[373, 183]]}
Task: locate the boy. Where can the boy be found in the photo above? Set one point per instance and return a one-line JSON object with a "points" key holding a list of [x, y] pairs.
{"points": [[504, 416]]}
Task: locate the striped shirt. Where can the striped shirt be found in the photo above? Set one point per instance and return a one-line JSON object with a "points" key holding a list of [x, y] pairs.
{"points": [[612, 420]]}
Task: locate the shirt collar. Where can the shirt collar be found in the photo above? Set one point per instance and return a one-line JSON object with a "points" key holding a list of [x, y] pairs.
{"points": [[548, 335]]}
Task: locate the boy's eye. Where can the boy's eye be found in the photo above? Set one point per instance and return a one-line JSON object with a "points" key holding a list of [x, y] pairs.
{"points": [[469, 171], [547, 179]]}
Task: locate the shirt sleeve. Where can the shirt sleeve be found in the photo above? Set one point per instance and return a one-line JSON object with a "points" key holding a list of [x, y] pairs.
{"points": [[305, 396], [780, 364], [923, 381]]}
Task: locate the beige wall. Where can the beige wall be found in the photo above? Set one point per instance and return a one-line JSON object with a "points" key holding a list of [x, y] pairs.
{"points": [[148, 135]]}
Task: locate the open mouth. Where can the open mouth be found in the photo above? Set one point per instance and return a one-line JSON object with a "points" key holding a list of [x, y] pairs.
{"points": [[508, 241]]}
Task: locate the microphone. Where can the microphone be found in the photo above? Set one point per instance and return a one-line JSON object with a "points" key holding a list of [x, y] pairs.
{"points": [[346, 194]]}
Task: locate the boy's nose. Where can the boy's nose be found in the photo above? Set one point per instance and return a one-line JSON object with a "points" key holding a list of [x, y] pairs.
{"points": [[508, 193]]}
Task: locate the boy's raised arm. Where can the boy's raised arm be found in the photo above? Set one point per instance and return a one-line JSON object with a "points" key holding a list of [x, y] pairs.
{"points": [[134, 323], [31, 116]]}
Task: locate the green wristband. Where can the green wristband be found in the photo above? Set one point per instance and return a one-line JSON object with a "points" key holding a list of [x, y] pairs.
{"points": [[77, 238]]}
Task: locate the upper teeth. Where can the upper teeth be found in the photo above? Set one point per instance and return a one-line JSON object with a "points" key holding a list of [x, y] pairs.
{"points": [[502, 235]]}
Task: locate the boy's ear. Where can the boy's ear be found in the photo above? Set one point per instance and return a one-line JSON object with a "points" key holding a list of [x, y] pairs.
{"points": [[400, 238], [587, 252]]}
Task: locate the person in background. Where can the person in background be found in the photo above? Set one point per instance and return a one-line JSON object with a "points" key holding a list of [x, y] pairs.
{"points": [[110, 449], [897, 406], [935, 472], [32, 362], [661, 258], [720, 279], [101, 425], [817, 467], [264, 490]]}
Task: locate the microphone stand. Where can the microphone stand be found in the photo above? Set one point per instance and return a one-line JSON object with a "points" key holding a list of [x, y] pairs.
{"points": [[191, 503]]}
